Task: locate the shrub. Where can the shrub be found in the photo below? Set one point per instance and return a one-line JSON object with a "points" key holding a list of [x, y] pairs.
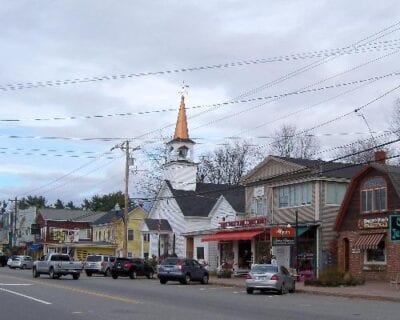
{"points": [[333, 277]]}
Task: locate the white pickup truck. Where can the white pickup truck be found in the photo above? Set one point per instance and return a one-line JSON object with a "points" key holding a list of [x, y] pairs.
{"points": [[57, 265]]}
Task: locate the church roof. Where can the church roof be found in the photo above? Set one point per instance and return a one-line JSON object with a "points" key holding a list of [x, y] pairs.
{"points": [[200, 202]]}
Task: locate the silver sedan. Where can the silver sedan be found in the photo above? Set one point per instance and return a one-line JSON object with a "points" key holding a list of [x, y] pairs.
{"points": [[265, 277], [22, 262]]}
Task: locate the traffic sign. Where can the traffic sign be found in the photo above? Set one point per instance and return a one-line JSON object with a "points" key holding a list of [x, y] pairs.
{"points": [[395, 227]]}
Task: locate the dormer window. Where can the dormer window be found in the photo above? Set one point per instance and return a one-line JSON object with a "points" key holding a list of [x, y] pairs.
{"points": [[374, 195], [182, 152]]}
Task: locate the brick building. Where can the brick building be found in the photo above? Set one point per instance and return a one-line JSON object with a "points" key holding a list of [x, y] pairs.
{"points": [[364, 243]]}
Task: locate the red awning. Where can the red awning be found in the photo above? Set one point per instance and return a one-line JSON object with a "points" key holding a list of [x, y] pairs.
{"points": [[368, 241], [233, 235]]}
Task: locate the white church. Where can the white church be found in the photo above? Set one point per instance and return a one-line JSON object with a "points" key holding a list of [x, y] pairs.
{"points": [[185, 211]]}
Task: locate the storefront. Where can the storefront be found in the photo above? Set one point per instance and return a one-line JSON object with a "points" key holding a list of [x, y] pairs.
{"points": [[369, 224], [242, 243], [299, 253]]}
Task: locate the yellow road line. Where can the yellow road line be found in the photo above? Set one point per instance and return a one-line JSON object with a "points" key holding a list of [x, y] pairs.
{"points": [[83, 291]]}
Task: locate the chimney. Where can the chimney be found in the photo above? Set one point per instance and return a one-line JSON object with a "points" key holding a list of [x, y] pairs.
{"points": [[380, 156]]}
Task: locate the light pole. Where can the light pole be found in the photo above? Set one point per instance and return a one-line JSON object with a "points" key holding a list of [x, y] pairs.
{"points": [[297, 241]]}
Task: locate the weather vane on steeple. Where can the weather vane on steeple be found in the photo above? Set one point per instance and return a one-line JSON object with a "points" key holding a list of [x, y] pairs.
{"points": [[184, 89]]}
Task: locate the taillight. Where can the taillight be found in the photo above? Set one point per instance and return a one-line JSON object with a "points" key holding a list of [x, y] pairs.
{"points": [[180, 266], [127, 265], [248, 276], [275, 277]]}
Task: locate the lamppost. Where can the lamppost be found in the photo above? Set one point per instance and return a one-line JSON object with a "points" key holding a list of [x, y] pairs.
{"points": [[297, 241]]}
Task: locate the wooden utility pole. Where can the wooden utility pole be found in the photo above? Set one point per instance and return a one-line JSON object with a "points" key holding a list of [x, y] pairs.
{"points": [[125, 147], [126, 209]]}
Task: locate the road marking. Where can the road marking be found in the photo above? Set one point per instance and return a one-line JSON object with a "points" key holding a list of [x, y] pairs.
{"points": [[83, 291], [25, 296], [15, 284]]}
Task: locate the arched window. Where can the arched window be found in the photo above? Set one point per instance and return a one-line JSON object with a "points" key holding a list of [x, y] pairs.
{"points": [[182, 152], [374, 195]]}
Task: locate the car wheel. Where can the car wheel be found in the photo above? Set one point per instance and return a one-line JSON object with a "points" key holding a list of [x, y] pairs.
{"points": [[35, 273], [107, 273], [133, 274], [52, 275], [76, 276], [114, 276], [150, 275], [23, 267], [283, 289], [187, 279], [204, 280], [163, 281], [250, 290], [88, 273]]}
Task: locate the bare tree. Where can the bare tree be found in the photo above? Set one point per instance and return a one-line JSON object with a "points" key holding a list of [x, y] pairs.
{"points": [[288, 141], [395, 122], [227, 164]]}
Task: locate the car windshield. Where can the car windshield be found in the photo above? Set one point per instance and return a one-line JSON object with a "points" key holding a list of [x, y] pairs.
{"points": [[264, 269], [93, 258], [170, 261]]}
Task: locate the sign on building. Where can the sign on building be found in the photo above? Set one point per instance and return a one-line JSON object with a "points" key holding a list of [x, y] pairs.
{"points": [[283, 236], [395, 227]]}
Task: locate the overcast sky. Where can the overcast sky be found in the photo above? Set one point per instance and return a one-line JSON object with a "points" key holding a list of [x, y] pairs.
{"points": [[54, 42]]}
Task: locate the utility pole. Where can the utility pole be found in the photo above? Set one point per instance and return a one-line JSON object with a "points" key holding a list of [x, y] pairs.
{"points": [[126, 198], [125, 147], [13, 222]]}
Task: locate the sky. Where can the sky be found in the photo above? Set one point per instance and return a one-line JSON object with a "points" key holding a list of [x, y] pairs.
{"points": [[79, 77]]}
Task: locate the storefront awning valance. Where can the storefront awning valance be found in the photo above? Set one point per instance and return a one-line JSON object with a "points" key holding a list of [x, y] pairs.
{"points": [[230, 236], [368, 241]]}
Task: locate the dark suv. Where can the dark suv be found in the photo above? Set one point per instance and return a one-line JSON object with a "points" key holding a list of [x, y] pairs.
{"points": [[182, 270], [132, 268]]}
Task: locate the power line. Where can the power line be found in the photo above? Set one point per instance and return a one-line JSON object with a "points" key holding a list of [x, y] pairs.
{"points": [[369, 47], [307, 89]]}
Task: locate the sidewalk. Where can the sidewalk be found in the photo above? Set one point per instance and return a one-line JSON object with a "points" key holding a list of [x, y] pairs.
{"points": [[370, 290]]}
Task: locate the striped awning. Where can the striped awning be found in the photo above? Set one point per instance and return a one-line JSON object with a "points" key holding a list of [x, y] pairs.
{"points": [[368, 241]]}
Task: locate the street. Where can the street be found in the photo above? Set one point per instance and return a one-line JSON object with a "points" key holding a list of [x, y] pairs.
{"points": [[97, 297]]}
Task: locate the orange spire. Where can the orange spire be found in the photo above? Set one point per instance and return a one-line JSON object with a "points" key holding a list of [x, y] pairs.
{"points": [[181, 129]]}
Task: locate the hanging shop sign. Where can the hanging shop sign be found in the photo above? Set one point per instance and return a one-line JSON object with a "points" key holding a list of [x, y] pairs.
{"points": [[283, 236], [244, 223], [373, 223]]}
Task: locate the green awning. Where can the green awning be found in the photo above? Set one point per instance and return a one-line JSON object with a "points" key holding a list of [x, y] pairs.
{"points": [[301, 230]]}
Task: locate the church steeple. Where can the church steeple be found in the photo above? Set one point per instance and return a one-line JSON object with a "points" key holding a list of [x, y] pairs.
{"points": [[180, 168], [181, 129]]}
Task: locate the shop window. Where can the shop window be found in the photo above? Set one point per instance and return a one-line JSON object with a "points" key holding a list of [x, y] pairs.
{"points": [[335, 193], [200, 253], [373, 195], [376, 256], [130, 235], [294, 195]]}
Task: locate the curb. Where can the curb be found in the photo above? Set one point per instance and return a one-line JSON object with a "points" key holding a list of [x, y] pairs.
{"points": [[323, 293]]}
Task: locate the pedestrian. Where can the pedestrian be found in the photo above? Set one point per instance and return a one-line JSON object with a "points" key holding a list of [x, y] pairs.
{"points": [[274, 261]]}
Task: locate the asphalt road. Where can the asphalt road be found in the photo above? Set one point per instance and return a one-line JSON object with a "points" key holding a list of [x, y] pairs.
{"points": [[97, 297]]}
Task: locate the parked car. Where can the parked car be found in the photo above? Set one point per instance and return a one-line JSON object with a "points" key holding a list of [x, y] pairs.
{"points": [[98, 264], [21, 262], [57, 265], [132, 268], [265, 277], [3, 260], [183, 270]]}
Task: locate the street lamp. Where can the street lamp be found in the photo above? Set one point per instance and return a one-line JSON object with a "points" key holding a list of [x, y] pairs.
{"points": [[297, 241]]}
